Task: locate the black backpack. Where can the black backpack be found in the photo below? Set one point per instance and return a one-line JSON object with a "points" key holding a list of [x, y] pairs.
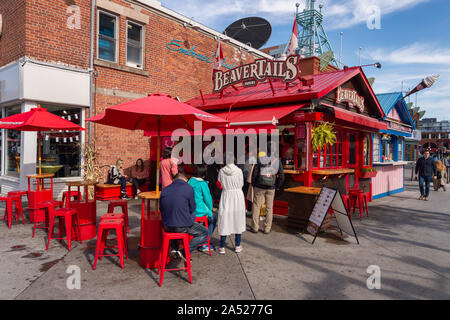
{"points": [[266, 178]]}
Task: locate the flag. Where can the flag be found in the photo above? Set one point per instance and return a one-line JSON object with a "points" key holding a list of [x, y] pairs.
{"points": [[426, 83], [293, 43], [219, 57]]}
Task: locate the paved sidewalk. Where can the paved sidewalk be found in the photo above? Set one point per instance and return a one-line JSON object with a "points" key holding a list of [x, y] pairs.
{"points": [[407, 238]]}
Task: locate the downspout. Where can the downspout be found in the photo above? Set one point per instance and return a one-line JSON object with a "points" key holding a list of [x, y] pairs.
{"points": [[91, 70]]}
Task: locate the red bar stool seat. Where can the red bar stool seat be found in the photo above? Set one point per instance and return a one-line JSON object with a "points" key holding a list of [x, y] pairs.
{"points": [[166, 238], [104, 227], [204, 220], [68, 215], [48, 206], [358, 197], [12, 201], [124, 205], [73, 194]]}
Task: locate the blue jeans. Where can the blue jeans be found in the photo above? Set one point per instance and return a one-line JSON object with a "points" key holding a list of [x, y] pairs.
{"points": [[197, 230], [237, 239], [212, 221], [427, 181]]}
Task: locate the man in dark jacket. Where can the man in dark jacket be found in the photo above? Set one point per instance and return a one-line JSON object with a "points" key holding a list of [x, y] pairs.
{"points": [[267, 176], [426, 168], [177, 204]]}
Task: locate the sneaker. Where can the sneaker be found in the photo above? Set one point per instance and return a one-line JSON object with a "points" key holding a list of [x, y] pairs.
{"points": [[421, 197], [426, 199], [181, 254], [266, 231], [138, 191], [135, 197], [253, 230], [238, 249], [221, 250], [203, 248]]}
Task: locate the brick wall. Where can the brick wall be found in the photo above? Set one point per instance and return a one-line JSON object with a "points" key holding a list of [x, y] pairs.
{"points": [[12, 41]]}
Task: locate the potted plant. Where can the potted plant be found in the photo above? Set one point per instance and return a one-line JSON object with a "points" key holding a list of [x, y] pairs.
{"points": [[367, 173], [321, 135]]}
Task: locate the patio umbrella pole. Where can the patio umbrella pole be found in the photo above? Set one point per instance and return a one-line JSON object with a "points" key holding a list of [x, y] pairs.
{"points": [[39, 152], [158, 156]]}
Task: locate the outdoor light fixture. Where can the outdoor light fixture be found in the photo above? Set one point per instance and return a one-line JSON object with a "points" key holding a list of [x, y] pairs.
{"points": [[376, 65]]}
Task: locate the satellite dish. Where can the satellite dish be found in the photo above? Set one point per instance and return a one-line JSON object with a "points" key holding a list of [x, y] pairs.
{"points": [[325, 59], [421, 114], [253, 31]]}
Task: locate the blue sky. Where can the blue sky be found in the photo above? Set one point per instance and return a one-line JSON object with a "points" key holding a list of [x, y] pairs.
{"points": [[413, 41]]}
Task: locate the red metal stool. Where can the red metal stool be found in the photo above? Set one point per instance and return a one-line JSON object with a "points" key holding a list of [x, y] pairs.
{"points": [[115, 216], [49, 207], [124, 205], [67, 214], [204, 220], [166, 237], [65, 199], [104, 227], [10, 202], [358, 197]]}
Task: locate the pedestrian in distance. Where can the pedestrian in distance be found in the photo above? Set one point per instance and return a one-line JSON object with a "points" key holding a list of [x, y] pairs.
{"points": [[203, 200], [426, 169], [441, 176], [231, 219]]}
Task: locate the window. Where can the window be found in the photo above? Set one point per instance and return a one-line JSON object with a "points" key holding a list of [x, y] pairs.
{"points": [[61, 150], [352, 149], [376, 148], [367, 151], [400, 149], [13, 144], [329, 156], [134, 45], [107, 37]]}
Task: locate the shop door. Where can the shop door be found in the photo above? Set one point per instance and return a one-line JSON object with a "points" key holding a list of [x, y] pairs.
{"points": [[352, 159]]}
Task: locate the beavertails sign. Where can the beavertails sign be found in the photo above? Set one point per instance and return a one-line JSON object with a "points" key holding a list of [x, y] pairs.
{"points": [[258, 71]]}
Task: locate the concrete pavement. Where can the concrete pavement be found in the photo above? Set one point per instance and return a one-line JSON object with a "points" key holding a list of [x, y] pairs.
{"points": [[408, 239]]}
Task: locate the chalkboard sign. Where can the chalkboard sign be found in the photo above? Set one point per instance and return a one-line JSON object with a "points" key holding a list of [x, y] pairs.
{"points": [[330, 198]]}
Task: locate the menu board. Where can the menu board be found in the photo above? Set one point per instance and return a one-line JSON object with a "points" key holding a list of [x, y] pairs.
{"points": [[320, 210]]}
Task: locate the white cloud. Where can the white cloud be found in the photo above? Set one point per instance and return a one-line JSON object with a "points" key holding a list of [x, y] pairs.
{"points": [[413, 53]]}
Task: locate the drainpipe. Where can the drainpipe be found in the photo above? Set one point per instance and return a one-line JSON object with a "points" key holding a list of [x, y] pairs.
{"points": [[91, 70]]}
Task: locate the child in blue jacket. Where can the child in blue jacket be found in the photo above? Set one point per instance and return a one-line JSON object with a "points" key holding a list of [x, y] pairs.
{"points": [[203, 200]]}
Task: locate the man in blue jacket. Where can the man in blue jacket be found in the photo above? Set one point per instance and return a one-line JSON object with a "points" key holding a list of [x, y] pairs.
{"points": [[426, 168], [177, 204]]}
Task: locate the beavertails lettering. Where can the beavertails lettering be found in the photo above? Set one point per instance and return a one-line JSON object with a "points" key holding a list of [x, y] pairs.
{"points": [[259, 70]]}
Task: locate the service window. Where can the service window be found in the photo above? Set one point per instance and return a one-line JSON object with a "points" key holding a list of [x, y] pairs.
{"points": [[367, 151], [329, 156], [376, 148], [107, 37], [134, 45]]}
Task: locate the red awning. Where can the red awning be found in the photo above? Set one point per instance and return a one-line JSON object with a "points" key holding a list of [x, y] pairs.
{"points": [[257, 117], [359, 119]]}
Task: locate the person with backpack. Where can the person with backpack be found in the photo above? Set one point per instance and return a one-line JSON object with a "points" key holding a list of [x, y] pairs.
{"points": [[267, 176], [168, 168], [116, 176]]}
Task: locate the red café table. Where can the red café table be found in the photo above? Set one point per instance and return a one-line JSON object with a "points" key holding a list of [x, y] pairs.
{"points": [[40, 194], [151, 225], [87, 209]]}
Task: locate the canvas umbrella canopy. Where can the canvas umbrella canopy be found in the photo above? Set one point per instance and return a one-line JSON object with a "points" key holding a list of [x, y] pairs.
{"points": [[154, 112], [38, 119]]}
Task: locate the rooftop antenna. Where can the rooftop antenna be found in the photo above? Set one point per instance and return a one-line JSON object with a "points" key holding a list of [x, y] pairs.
{"points": [[312, 40], [360, 49], [340, 51]]}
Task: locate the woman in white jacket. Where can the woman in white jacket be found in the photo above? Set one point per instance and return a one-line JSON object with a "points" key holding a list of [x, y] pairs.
{"points": [[231, 218]]}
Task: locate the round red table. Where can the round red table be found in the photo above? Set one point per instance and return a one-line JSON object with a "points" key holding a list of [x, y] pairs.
{"points": [[87, 209], [40, 194], [151, 225]]}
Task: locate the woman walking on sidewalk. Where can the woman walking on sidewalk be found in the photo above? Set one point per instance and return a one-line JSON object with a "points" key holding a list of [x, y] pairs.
{"points": [[232, 205], [441, 176]]}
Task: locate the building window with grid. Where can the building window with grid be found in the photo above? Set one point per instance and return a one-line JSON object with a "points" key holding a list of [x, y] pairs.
{"points": [[367, 151], [107, 37], [376, 148], [400, 149], [134, 45], [329, 156]]}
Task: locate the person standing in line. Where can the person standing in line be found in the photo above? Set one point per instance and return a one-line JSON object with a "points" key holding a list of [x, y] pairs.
{"points": [[231, 218], [441, 176], [177, 204], [426, 169], [203, 201], [139, 175], [267, 176], [117, 176], [168, 168]]}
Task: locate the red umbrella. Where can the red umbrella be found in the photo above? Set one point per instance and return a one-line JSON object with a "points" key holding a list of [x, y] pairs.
{"points": [[155, 111], [38, 119]]}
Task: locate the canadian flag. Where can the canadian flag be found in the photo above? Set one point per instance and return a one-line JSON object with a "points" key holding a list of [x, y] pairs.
{"points": [[293, 43], [219, 57]]}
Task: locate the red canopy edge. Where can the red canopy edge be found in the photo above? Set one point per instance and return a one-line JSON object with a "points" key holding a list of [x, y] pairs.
{"points": [[358, 119]]}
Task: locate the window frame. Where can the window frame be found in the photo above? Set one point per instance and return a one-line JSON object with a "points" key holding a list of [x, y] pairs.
{"points": [[116, 35], [324, 152], [142, 47]]}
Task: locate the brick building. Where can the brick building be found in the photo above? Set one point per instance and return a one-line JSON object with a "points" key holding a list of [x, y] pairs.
{"points": [[138, 47], [435, 135]]}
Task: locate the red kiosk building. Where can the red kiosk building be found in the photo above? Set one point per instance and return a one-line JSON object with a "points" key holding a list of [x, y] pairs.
{"points": [[342, 97]]}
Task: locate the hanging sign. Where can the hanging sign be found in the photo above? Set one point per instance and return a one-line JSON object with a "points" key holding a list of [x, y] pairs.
{"points": [[351, 97], [258, 71]]}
